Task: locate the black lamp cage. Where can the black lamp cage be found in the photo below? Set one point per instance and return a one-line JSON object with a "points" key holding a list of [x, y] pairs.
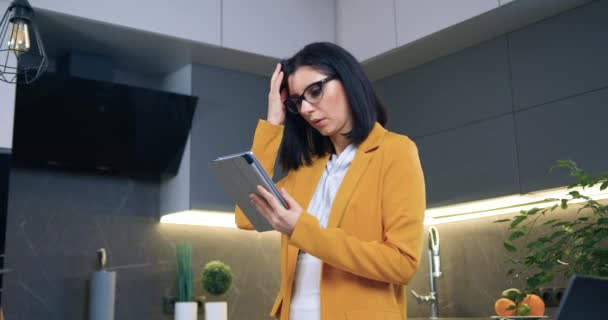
{"points": [[22, 56]]}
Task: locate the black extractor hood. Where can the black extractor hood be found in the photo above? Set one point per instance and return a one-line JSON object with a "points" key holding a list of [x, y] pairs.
{"points": [[69, 123]]}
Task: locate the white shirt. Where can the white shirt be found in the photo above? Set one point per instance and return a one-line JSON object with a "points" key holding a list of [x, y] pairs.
{"points": [[305, 303]]}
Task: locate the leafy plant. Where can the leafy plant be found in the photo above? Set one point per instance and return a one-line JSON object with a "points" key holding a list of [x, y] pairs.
{"points": [[217, 277], [184, 272], [575, 245]]}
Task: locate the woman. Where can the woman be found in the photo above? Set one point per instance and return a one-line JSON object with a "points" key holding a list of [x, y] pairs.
{"points": [[352, 234]]}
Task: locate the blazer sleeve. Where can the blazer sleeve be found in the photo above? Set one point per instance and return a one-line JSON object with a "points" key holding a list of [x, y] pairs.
{"points": [[266, 143], [395, 258]]}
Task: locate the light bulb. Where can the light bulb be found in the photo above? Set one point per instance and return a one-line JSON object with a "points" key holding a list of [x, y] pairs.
{"points": [[20, 37]]}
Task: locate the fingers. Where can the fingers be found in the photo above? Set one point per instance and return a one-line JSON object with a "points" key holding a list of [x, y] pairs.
{"points": [[276, 79], [261, 206], [272, 201], [277, 68], [279, 80]]}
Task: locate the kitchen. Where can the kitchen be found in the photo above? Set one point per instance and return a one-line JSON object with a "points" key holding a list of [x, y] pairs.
{"points": [[491, 94]]}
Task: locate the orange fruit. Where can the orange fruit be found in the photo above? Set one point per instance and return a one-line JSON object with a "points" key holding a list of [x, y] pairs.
{"points": [[501, 306], [536, 303]]}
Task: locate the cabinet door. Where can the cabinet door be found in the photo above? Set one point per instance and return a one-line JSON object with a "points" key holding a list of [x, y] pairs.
{"points": [[451, 92], [276, 28], [196, 20], [419, 18], [366, 28], [570, 129], [470, 163], [561, 56]]}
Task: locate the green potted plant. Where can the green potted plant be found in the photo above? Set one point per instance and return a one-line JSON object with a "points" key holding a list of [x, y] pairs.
{"points": [[185, 307], [216, 280], [547, 242]]}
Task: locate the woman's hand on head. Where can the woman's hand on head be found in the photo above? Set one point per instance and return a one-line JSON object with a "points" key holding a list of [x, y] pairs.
{"points": [[283, 220], [276, 107]]}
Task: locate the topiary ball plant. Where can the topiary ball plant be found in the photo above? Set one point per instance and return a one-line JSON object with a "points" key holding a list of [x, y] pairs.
{"points": [[217, 277]]}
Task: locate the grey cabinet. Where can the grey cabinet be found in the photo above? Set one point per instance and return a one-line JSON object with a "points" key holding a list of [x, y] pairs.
{"points": [[560, 57], [366, 28], [573, 128], [276, 28], [468, 86], [196, 20], [458, 110], [420, 18], [491, 120], [470, 163]]}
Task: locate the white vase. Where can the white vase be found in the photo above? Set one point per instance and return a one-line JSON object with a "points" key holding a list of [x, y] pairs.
{"points": [[216, 310], [185, 310]]}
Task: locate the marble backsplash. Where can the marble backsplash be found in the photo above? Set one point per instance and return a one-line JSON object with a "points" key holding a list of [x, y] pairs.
{"points": [[57, 221]]}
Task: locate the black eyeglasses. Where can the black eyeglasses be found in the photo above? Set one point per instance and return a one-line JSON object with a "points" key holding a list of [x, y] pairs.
{"points": [[312, 94]]}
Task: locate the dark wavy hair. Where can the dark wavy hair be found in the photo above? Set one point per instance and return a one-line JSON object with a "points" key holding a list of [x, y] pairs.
{"points": [[301, 142]]}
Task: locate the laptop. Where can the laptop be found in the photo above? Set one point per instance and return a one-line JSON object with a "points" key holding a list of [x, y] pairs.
{"points": [[586, 297]]}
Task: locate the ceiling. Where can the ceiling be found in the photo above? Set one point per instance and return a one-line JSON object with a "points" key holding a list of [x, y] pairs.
{"points": [[152, 53]]}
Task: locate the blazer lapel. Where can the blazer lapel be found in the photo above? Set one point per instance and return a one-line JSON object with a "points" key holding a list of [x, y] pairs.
{"points": [[307, 179], [355, 172], [305, 184]]}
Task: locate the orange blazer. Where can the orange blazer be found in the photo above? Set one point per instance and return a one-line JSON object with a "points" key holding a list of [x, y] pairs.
{"points": [[371, 246]]}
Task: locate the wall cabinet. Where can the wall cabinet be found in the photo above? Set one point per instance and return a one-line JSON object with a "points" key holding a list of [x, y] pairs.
{"points": [[560, 57], [420, 18], [465, 87], [366, 28], [570, 129], [492, 119], [276, 28], [195, 20], [470, 163]]}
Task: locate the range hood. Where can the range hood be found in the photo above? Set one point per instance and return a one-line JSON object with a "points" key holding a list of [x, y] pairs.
{"points": [[71, 123]]}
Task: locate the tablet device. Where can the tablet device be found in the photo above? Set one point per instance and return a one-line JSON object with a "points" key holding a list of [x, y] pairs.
{"points": [[240, 174]]}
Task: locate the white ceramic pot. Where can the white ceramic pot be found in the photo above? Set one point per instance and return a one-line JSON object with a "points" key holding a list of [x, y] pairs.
{"points": [[216, 310], [186, 310]]}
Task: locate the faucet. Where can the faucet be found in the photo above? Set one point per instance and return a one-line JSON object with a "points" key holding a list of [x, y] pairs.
{"points": [[434, 273]]}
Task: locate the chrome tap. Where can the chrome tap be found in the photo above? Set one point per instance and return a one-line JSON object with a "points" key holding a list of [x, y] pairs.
{"points": [[434, 273]]}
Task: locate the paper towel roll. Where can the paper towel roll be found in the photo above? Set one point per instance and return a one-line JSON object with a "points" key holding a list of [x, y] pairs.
{"points": [[101, 297]]}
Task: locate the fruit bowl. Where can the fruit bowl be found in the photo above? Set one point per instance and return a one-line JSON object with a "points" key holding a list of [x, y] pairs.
{"points": [[514, 304]]}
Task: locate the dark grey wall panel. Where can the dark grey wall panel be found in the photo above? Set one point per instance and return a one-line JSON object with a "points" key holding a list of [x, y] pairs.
{"points": [[569, 129], [560, 57], [450, 92], [470, 163], [229, 106]]}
